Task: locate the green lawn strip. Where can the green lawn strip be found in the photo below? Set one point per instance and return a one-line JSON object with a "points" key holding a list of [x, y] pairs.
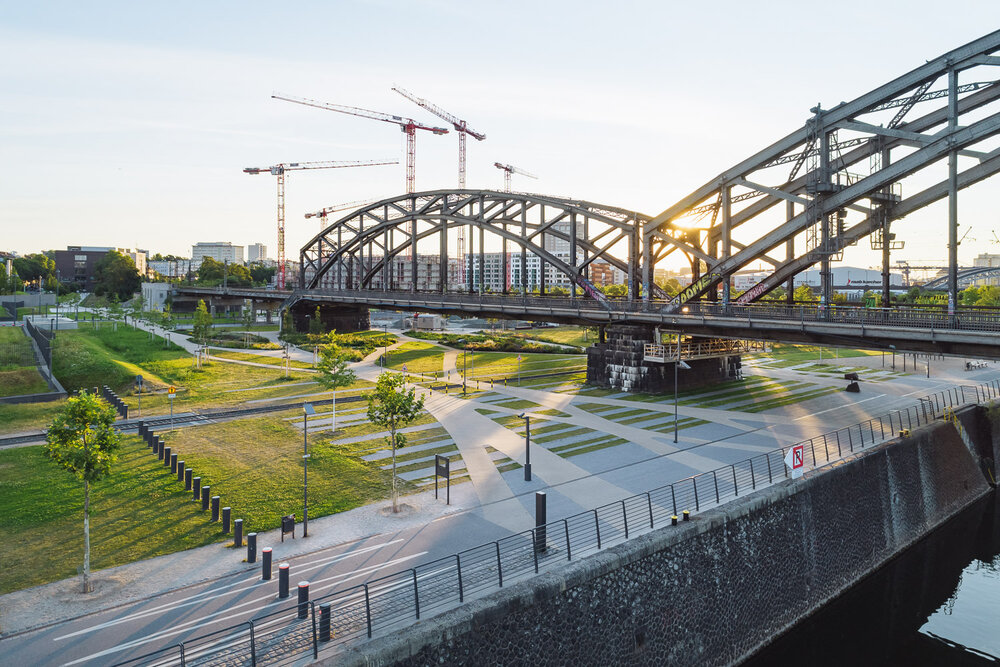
{"points": [[554, 413], [505, 363], [588, 446], [486, 411], [728, 401], [562, 335], [555, 437], [417, 357], [597, 407], [263, 483], [140, 511], [19, 381], [789, 400], [805, 352], [517, 404], [424, 465], [682, 423], [258, 358], [507, 467], [15, 418], [648, 415]]}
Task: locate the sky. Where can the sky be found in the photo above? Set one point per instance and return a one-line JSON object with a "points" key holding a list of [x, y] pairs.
{"points": [[128, 124]]}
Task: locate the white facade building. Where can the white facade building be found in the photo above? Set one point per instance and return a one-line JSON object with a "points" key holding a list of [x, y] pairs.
{"points": [[154, 295], [220, 251], [256, 252]]}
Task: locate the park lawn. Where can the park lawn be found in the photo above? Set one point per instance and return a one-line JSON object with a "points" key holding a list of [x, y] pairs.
{"points": [[264, 483], [485, 365], [19, 381], [796, 353], [14, 336], [140, 511], [418, 357], [28, 416], [564, 335], [258, 358]]}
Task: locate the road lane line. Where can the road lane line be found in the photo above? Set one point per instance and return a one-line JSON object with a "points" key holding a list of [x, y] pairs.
{"points": [[204, 596]]}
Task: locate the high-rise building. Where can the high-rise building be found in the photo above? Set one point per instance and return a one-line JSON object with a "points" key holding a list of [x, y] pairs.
{"points": [[220, 251], [256, 252]]}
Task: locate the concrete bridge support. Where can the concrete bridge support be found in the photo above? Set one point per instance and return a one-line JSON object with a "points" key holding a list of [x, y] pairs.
{"points": [[344, 319], [619, 362]]}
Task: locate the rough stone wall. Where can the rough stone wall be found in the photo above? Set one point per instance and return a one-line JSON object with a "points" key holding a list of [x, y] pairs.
{"points": [[618, 363], [716, 589]]}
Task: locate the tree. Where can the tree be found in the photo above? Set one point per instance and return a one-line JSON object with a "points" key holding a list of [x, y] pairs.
{"points": [[82, 439], [287, 325], [167, 319], [116, 274], [316, 323], [805, 293], [615, 290], [210, 270], [392, 407], [202, 322], [248, 315], [260, 274], [333, 373]]}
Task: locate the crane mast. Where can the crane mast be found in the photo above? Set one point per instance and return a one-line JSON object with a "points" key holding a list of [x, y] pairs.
{"points": [[509, 169], [279, 170]]}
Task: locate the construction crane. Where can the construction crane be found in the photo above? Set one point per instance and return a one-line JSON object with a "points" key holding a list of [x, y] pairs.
{"points": [[407, 125], [279, 171], [322, 213], [509, 169], [463, 129]]}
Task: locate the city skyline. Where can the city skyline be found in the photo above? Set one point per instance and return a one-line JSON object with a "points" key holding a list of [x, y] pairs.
{"points": [[135, 132]]}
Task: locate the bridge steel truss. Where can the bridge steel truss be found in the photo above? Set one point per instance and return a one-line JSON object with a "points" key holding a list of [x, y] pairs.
{"points": [[840, 179], [378, 247]]}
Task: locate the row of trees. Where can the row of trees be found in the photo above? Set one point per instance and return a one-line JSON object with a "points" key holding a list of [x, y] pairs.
{"points": [[214, 272]]}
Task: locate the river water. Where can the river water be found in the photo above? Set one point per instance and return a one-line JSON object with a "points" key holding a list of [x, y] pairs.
{"points": [[938, 603]]}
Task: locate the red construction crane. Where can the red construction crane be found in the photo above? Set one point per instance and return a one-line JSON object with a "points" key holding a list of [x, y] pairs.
{"points": [[279, 171], [322, 213], [407, 125], [460, 126], [509, 169]]}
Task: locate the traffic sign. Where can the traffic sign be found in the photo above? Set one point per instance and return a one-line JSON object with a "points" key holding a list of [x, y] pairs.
{"points": [[519, 357], [404, 368], [171, 390], [796, 460], [138, 380]]}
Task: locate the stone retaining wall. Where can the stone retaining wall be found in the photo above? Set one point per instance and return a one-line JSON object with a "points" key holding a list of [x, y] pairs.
{"points": [[717, 589]]}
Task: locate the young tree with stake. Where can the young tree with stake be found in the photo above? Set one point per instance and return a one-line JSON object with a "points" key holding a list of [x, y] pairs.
{"points": [[393, 408], [82, 439], [333, 373]]}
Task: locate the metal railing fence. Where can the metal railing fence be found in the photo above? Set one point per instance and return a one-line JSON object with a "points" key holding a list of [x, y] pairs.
{"points": [[388, 603]]}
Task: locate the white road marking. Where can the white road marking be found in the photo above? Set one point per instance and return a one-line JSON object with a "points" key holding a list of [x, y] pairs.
{"points": [[201, 622], [204, 596]]}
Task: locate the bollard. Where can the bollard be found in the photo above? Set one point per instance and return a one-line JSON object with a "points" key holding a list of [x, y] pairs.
{"points": [[303, 599], [238, 532], [540, 521], [187, 479], [173, 463], [324, 622], [206, 495], [265, 566], [687, 515], [673, 520], [225, 519], [166, 456], [215, 508], [283, 580], [196, 488], [251, 547], [156, 445], [180, 471]]}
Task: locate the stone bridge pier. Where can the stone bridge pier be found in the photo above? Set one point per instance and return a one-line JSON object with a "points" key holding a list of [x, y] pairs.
{"points": [[342, 318], [642, 359]]}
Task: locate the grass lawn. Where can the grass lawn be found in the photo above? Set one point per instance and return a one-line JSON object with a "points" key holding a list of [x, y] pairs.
{"points": [[418, 358], [258, 358], [798, 353], [493, 364], [563, 335], [140, 511], [18, 374], [22, 381], [28, 416], [263, 483]]}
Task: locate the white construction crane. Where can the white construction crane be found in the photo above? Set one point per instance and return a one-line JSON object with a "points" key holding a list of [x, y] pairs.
{"points": [[279, 171], [509, 169], [323, 212]]}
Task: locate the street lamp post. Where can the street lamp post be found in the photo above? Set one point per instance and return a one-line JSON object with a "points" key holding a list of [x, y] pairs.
{"points": [[677, 366], [893, 348], [307, 409], [527, 445]]}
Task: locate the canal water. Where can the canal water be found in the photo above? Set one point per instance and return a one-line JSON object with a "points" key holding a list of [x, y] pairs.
{"points": [[938, 603]]}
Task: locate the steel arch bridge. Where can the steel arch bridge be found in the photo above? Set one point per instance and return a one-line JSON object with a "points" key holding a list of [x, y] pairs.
{"points": [[966, 277], [849, 173], [538, 242]]}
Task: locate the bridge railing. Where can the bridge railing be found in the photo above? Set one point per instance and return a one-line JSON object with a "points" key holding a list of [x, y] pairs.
{"points": [[394, 601]]}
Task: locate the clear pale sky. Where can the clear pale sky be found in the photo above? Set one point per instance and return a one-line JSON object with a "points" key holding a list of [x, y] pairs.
{"points": [[128, 123]]}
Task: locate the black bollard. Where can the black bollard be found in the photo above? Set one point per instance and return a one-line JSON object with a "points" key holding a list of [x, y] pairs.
{"points": [[265, 566], [206, 495], [238, 533], [156, 445], [303, 599], [180, 471], [166, 456], [173, 463], [196, 488], [251, 547], [225, 519], [187, 479], [324, 622], [540, 544], [215, 508], [283, 580]]}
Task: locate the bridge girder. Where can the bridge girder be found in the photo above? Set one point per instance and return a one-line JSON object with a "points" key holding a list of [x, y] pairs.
{"points": [[360, 249], [705, 224]]}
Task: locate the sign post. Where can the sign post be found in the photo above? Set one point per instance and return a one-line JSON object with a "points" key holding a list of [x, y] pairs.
{"points": [[519, 370], [138, 382], [442, 468], [796, 460], [171, 390]]}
